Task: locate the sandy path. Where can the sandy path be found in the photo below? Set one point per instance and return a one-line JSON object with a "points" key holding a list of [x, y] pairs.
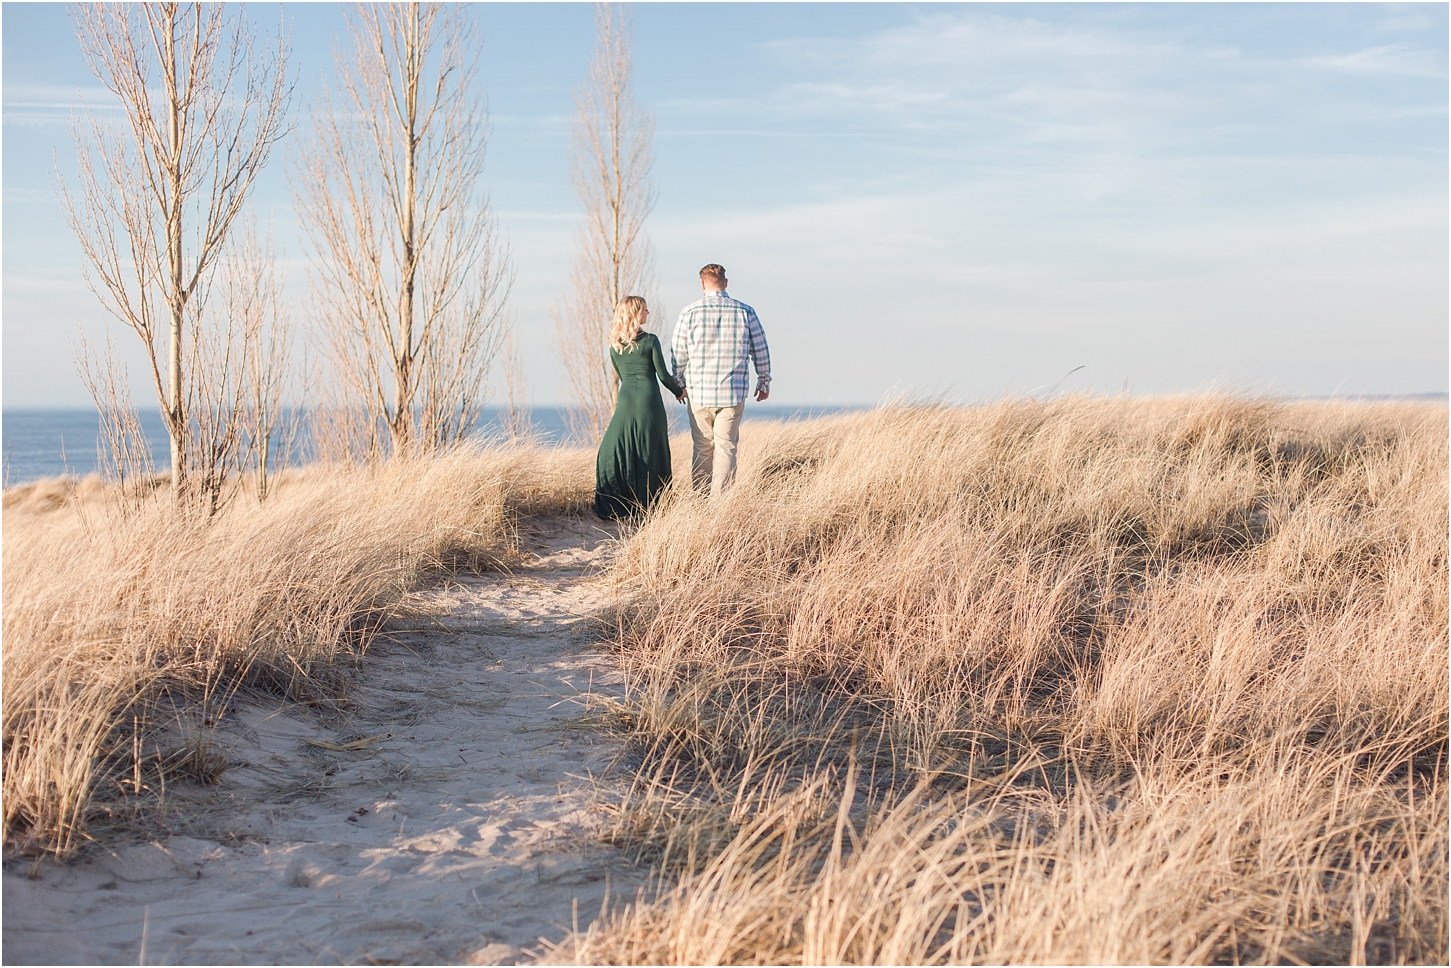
{"points": [[464, 833]]}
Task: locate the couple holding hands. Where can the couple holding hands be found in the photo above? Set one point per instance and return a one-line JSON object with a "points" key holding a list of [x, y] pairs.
{"points": [[715, 338]]}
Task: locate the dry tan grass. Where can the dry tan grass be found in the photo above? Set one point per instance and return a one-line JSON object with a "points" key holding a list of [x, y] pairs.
{"points": [[1078, 681], [119, 619]]}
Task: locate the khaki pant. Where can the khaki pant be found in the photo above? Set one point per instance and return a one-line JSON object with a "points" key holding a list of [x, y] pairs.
{"points": [[714, 431]]}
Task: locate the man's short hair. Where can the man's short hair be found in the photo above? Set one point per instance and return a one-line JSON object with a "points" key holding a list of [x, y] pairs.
{"points": [[715, 272]]}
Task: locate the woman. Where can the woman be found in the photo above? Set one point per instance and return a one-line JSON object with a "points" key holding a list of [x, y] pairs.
{"points": [[633, 465]]}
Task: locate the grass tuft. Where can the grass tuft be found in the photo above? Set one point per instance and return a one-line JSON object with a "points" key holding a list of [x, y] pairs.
{"points": [[1086, 680]]}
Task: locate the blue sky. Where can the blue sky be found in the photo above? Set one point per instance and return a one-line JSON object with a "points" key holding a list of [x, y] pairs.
{"points": [[924, 199]]}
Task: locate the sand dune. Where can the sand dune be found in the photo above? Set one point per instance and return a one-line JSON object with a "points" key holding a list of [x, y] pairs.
{"points": [[445, 814]]}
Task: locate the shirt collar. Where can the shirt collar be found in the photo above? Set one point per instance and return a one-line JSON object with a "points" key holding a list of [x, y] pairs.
{"points": [[716, 292]]}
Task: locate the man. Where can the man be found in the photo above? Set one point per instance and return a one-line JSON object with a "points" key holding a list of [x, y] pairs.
{"points": [[714, 340]]}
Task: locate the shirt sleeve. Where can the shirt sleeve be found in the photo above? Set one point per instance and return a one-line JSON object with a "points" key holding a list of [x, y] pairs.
{"points": [[658, 359], [760, 354], [680, 347]]}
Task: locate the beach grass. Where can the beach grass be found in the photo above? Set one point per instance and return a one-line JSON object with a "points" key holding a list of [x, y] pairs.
{"points": [[128, 626], [1083, 680], [1078, 681]]}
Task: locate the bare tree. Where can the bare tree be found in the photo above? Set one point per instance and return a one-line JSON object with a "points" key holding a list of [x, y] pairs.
{"points": [[259, 322], [239, 345], [122, 452], [342, 426], [411, 278], [518, 423], [238, 341], [611, 152], [157, 196], [215, 397]]}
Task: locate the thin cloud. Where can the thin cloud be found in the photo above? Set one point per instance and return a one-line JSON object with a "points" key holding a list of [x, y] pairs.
{"points": [[40, 105], [1390, 59], [955, 72]]}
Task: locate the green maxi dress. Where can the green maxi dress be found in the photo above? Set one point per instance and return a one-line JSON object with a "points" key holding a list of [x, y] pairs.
{"points": [[633, 465]]}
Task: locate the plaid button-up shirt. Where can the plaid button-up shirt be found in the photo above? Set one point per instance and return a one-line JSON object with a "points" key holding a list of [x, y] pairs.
{"points": [[714, 340]]}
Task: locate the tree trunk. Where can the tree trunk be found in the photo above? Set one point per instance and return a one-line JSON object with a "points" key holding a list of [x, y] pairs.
{"points": [[176, 415], [403, 377], [617, 249]]}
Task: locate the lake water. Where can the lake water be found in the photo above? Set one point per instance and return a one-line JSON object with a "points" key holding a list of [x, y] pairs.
{"points": [[36, 444], [48, 443]]}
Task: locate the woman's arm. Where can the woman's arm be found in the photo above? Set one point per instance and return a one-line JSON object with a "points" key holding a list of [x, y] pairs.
{"points": [[657, 358]]}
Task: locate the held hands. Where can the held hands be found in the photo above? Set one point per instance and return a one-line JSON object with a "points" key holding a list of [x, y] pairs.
{"points": [[761, 394]]}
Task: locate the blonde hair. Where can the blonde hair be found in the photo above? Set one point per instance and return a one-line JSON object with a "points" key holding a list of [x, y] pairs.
{"points": [[628, 322]]}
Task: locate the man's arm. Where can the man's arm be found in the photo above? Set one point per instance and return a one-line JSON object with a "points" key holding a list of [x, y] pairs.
{"points": [[760, 356]]}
